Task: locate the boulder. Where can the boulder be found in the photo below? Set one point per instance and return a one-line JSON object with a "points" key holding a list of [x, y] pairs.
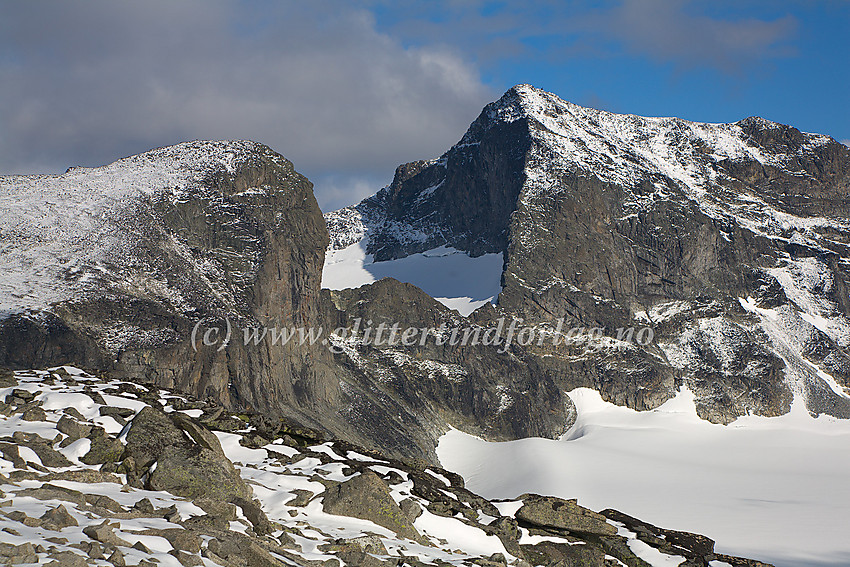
{"points": [[368, 497], [217, 509], [67, 559], [104, 448], [34, 414], [54, 492], [104, 534], [189, 459], [255, 515], [7, 378], [15, 554], [186, 559], [73, 428], [180, 539], [58, 518], [563, 554], [195, 472], [43, 448], [117, 558], [551, 512], [75, 413], [113, 411], [150, 434]]}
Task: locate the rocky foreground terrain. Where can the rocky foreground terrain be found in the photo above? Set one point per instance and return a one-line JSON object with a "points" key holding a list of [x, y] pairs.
{"points": [[97, 471]]}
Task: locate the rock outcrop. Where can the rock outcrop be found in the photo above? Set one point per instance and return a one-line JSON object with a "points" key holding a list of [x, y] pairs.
{"points": [[157, 268], [146, 248]]}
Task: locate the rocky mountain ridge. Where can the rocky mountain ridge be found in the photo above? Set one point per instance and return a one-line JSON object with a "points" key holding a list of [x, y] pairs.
{"points": [[150, 249], [708, 234], [729, 240]]}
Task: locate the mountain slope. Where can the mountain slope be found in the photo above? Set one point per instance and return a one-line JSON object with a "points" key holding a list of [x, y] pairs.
{"points": [[729, 240]]}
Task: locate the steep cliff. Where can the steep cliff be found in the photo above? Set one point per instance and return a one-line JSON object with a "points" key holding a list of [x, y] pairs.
{"points": [[124, 260]]}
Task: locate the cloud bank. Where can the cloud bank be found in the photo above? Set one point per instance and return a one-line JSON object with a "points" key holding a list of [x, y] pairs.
{"points": [[86, 83]]}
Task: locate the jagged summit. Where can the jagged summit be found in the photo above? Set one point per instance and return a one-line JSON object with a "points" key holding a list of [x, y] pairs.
{"points": [[550, 138]]}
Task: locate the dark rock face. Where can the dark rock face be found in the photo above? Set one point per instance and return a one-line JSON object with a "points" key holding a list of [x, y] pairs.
{"points": [[465, 199], [417, 391], [707, 234]]}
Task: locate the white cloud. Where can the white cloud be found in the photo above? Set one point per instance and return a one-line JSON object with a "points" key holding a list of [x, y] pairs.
{"points": [[846, 142], [86, 83]]}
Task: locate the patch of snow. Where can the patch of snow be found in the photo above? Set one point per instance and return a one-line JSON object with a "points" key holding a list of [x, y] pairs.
{"points": [[459, 535], [451, 276]]}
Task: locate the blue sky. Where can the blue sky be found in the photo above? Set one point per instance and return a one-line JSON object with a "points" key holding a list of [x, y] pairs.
{"points": [[349, 90], [704, 61]]}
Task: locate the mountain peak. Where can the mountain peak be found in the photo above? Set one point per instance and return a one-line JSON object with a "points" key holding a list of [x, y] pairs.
{"points": [[523, 100], [602, 216]]}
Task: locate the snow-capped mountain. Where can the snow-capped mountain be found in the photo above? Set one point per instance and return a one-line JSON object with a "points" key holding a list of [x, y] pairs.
{"points": [[729, 240], [65, 234]]}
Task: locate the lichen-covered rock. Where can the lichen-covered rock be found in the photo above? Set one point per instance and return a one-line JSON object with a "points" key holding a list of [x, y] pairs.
{"points": [[150, 433], [366, 496], [185, 460], [551, 512], [58, 518], [104, 448]]}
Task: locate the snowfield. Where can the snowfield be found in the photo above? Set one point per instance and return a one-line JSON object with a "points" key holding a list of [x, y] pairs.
{"points": [[774, 489], [450, 276]]}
